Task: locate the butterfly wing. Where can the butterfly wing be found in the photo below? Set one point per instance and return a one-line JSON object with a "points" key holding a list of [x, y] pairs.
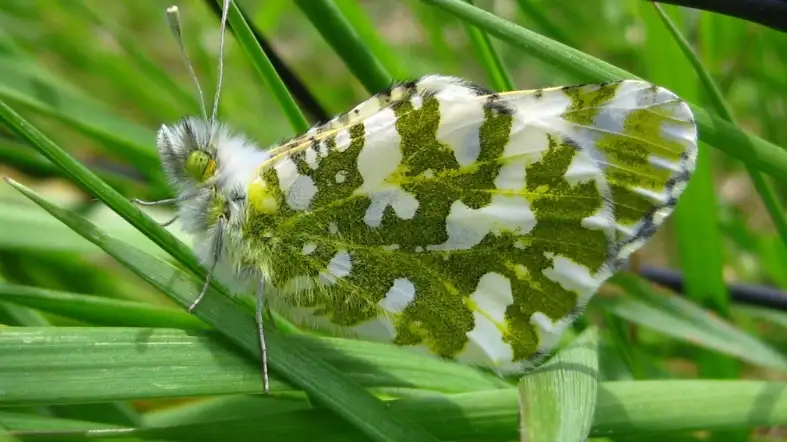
{"points": [[470, 225]]}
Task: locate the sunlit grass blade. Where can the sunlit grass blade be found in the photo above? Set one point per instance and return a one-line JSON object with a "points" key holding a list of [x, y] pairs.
{"points": [[749, 148], [292, 362], [337, 31], [622, 409], [97, 310], [265, 69], [764, 188], [360, 22], [534, 10], [499, 78], [679, 318], [558, 400], [60, 365]]}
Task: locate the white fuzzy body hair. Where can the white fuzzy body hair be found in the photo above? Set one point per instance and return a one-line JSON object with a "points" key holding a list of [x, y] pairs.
{"points": [[238, 160]]}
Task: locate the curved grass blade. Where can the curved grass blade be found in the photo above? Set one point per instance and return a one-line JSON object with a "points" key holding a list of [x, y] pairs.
{"points": [[338, 32], [679, 318], [62, 365], [291, 361], [764, 188], [749, 148], [487, 55], [558, 400], [264, 68], [365, 28]]}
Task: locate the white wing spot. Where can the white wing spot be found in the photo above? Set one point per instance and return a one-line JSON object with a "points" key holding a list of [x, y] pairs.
{"points": [[403, 203], [339, 266], [399, 296], [301, 192], [417, 101], [575, 277], [466, 227], [309, 248], [333, 228], [341, 176], [323, 149], [343, 140], [311, 158]]}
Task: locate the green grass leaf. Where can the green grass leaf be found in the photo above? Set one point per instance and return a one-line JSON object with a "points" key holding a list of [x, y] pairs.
{"points": [[63, 365], [558, 400], [290, 361], [337, 31], [264, 68], [679, 318], [746, 147]]}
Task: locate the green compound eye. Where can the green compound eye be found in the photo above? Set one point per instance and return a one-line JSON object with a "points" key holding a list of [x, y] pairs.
{"points": [[200, 166]]}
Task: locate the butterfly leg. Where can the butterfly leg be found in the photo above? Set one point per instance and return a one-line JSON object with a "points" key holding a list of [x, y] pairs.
{"points": [[216, 252], [158, 203], [166, 223], [154, 203], [261, 333]]}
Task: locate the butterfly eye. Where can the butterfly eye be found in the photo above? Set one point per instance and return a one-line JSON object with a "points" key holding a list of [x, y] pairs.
{"points": [[200, 166]]}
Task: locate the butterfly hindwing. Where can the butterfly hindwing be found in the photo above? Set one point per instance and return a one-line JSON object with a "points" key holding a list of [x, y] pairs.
{"points": [[472, 225]]}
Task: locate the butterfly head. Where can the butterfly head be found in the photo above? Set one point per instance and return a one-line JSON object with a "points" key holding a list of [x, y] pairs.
{"points": [[188, 152]]}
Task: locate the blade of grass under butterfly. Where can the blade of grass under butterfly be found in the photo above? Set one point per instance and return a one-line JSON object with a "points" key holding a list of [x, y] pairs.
{"points": [[264, 68], [557, 401], [64, 365], [622, 409], [749, 148], [294, 363], [764, 188], [682, 319], [487, 55], [337, 31], [98, 310]]}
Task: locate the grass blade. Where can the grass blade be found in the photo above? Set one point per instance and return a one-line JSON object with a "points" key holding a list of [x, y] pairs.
{"points": [[98, 310], [679, 318], [750, 149], [270, 78], [294, 363], [498, 76], [557, 401], [764, 188], [337, 31], [622, 409], [62, 365]]}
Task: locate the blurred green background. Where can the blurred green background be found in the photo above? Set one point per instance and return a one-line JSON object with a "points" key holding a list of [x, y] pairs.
{"points": [[98, 78]]}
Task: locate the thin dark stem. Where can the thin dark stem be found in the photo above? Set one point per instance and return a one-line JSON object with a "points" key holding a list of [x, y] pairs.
{"points": [[755, 295], [296, 87], [770, 13]]}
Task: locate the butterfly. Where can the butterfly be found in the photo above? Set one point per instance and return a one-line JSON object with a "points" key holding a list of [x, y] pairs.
{"points": [[438, 215]]}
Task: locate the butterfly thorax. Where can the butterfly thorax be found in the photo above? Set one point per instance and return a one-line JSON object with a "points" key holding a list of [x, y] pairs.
{"points": [[210, 167]]}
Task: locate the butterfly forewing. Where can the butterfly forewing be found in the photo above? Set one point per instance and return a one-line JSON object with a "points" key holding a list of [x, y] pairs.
{"points": [[471, 225]]}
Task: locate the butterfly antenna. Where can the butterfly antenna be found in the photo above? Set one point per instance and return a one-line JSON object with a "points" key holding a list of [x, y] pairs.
{"points": [[224, 13], [173, 17]]}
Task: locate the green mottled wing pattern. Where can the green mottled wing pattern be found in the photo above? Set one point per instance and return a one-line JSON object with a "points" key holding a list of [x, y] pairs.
{"points": [[467, 224]]}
